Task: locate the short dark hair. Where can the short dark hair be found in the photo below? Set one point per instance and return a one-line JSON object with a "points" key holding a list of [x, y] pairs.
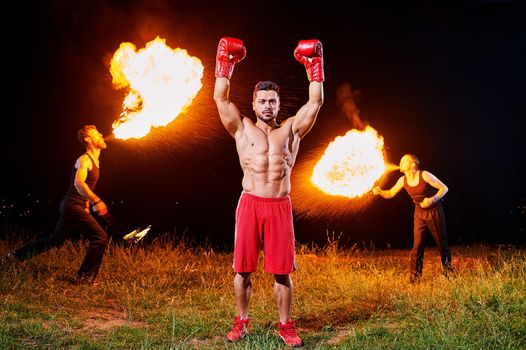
{"points": [[83, 133], [265, 85], [414, 159]]}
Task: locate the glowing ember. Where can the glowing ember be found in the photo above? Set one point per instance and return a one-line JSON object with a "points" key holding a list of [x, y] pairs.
{"points": [[161, 81], [351, 164]]}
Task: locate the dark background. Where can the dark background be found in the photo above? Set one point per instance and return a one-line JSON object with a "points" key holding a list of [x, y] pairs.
{"points": [[443, 80]]}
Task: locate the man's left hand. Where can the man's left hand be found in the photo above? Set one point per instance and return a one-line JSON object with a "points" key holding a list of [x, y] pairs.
{"points": [[426, 203], [100, 208]]}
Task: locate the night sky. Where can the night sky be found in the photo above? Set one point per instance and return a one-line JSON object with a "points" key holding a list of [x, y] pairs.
{"points": [[443, 80]]}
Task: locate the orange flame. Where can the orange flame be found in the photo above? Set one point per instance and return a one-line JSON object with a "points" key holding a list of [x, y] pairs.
{"points": [[162, 82], [351, 164]]}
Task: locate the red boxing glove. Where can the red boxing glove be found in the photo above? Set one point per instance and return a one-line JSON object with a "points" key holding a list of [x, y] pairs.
{"points": [[229, 52], [310, 54]]}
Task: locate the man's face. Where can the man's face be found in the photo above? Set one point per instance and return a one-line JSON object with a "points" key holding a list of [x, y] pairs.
{"points": [[405, 164], [266, 105], [97, 139]]}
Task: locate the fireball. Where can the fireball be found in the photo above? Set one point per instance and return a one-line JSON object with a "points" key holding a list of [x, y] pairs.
{"points": [[351, 164], [161, 83]]}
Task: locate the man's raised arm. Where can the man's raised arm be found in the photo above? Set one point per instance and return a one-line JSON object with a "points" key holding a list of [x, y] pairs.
{"points": [[310, 54], [229, 52]]}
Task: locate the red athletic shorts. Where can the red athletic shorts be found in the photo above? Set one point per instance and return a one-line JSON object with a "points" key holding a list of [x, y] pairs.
{"points": [[264, 222]]}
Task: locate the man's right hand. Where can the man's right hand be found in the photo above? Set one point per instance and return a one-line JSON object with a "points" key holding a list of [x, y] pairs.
{"points": [[229, 52], [376, 190]]}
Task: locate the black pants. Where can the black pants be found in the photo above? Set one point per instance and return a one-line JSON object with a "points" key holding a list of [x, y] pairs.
{"points": [[73, 219], [432, 220]]}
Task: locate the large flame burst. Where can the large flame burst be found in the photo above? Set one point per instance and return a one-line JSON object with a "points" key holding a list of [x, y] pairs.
{"points": [[162, 81], [334, 182], [351, 164]]}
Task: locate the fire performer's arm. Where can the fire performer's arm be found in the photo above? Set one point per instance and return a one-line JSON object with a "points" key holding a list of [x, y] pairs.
{"points": [[310, 54], [393, 191], [83, 164], [436, 183], [229, 52]]}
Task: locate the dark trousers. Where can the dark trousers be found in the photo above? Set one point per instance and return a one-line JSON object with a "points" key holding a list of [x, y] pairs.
{"points": [[433, 221], [73, 219]]}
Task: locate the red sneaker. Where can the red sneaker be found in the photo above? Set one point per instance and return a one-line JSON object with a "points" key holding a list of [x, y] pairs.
{"points": [[239, 330], [287, 332]]}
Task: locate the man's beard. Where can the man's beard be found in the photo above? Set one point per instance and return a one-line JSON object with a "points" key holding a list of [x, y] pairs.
{"points": [[266, 118]]}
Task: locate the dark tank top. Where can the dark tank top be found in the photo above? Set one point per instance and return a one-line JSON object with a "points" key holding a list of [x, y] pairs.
{"points": [[72, 195], [420, 191]]}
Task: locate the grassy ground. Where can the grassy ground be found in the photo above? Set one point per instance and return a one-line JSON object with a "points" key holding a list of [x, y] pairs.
{"points": [[165, 296]]}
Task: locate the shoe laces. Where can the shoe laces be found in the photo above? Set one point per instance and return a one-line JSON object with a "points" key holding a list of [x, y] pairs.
{"points": [[240, 325], [288, 329]]}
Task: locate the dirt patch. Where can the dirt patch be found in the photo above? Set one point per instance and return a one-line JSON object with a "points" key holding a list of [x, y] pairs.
{"points": [[342, 333], [107, 319], [340, 316], [203, 343]]}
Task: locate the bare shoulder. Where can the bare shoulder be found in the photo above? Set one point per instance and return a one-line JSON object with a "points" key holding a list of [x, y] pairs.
{"points": [[83, 162], [287, 123], [247, 121], [434, 181], [248, 126], [426, 175], [289, 120]]}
